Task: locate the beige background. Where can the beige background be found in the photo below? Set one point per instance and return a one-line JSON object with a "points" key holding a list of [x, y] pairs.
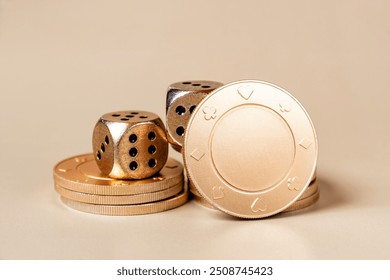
{"points": [[65, 63]]}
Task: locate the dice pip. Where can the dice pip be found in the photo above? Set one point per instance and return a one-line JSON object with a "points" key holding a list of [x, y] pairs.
{"points": [[130, 144]]}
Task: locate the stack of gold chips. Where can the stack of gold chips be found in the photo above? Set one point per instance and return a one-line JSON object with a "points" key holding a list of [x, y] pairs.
{"points": [[82, 186], [128, 173]]}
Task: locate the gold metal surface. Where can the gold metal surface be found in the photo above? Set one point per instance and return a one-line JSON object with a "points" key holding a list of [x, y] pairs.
{"points": [[297, 205], [81, 174], [311, 189], [182, 99], [130, 144], [128, 210], [304, 202], [250, 149], [120, 199]]}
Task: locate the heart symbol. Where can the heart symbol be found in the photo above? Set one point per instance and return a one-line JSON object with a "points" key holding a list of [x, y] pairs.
{"points": [[258, 205], [245, 91], [218, 192]]}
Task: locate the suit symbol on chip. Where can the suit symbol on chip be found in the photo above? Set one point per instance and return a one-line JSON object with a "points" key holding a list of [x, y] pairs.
{"points": [[285, 106], [293, 184], [245, 91], [258, 205], [209, 113], [218, 192]]}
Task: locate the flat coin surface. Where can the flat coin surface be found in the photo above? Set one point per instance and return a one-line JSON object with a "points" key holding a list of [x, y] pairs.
{"points": [[250, 149], [120, 199], [128, 210], [81, 174], [297, 205]]}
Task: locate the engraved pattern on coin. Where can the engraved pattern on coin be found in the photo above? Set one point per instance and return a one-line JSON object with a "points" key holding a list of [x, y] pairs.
{"points": [[80, 159], [292, 184], [197, 154], [63, 170], [209, 113], [305, 143], [285, 106], [258, 205], [239, 149], [218, 192], [245, 91]]}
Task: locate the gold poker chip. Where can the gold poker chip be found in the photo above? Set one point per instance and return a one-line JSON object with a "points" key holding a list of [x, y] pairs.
{"points": [[250, 149], [127, 210], [120, 199], [309, 197], [81, 174]]}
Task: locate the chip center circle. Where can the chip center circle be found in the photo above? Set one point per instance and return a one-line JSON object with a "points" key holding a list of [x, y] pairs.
{"points": [[252, 148]]}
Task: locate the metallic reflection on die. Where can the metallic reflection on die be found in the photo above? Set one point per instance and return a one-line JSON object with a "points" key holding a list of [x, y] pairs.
{"points": [[130, 144], [182, 99], [250, 149]]}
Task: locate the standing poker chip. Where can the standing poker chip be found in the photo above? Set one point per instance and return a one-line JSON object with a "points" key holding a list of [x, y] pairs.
{"points": [[250, 149]]}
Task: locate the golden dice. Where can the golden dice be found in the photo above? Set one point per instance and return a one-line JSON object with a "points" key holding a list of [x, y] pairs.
{"points": [[182, 99], [130, 144]]}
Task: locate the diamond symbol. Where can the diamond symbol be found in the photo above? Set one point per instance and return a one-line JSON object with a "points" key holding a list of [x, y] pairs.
{"points": [[305, 143], [197, 154]]}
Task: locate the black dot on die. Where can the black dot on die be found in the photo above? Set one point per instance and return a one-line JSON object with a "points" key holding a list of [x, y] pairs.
{"points": [[192, 108], [152, 163], [133, 152], [180, 131], [180, 110], [133, 165], [151, 136], [133, 138], [152, 149]]}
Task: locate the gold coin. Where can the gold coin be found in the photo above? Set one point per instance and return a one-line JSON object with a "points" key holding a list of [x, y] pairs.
{"points": [[311, 189], [302, 202], [120, 199], [250, 149], [81, 174], [128, 210], [297, 205]]}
